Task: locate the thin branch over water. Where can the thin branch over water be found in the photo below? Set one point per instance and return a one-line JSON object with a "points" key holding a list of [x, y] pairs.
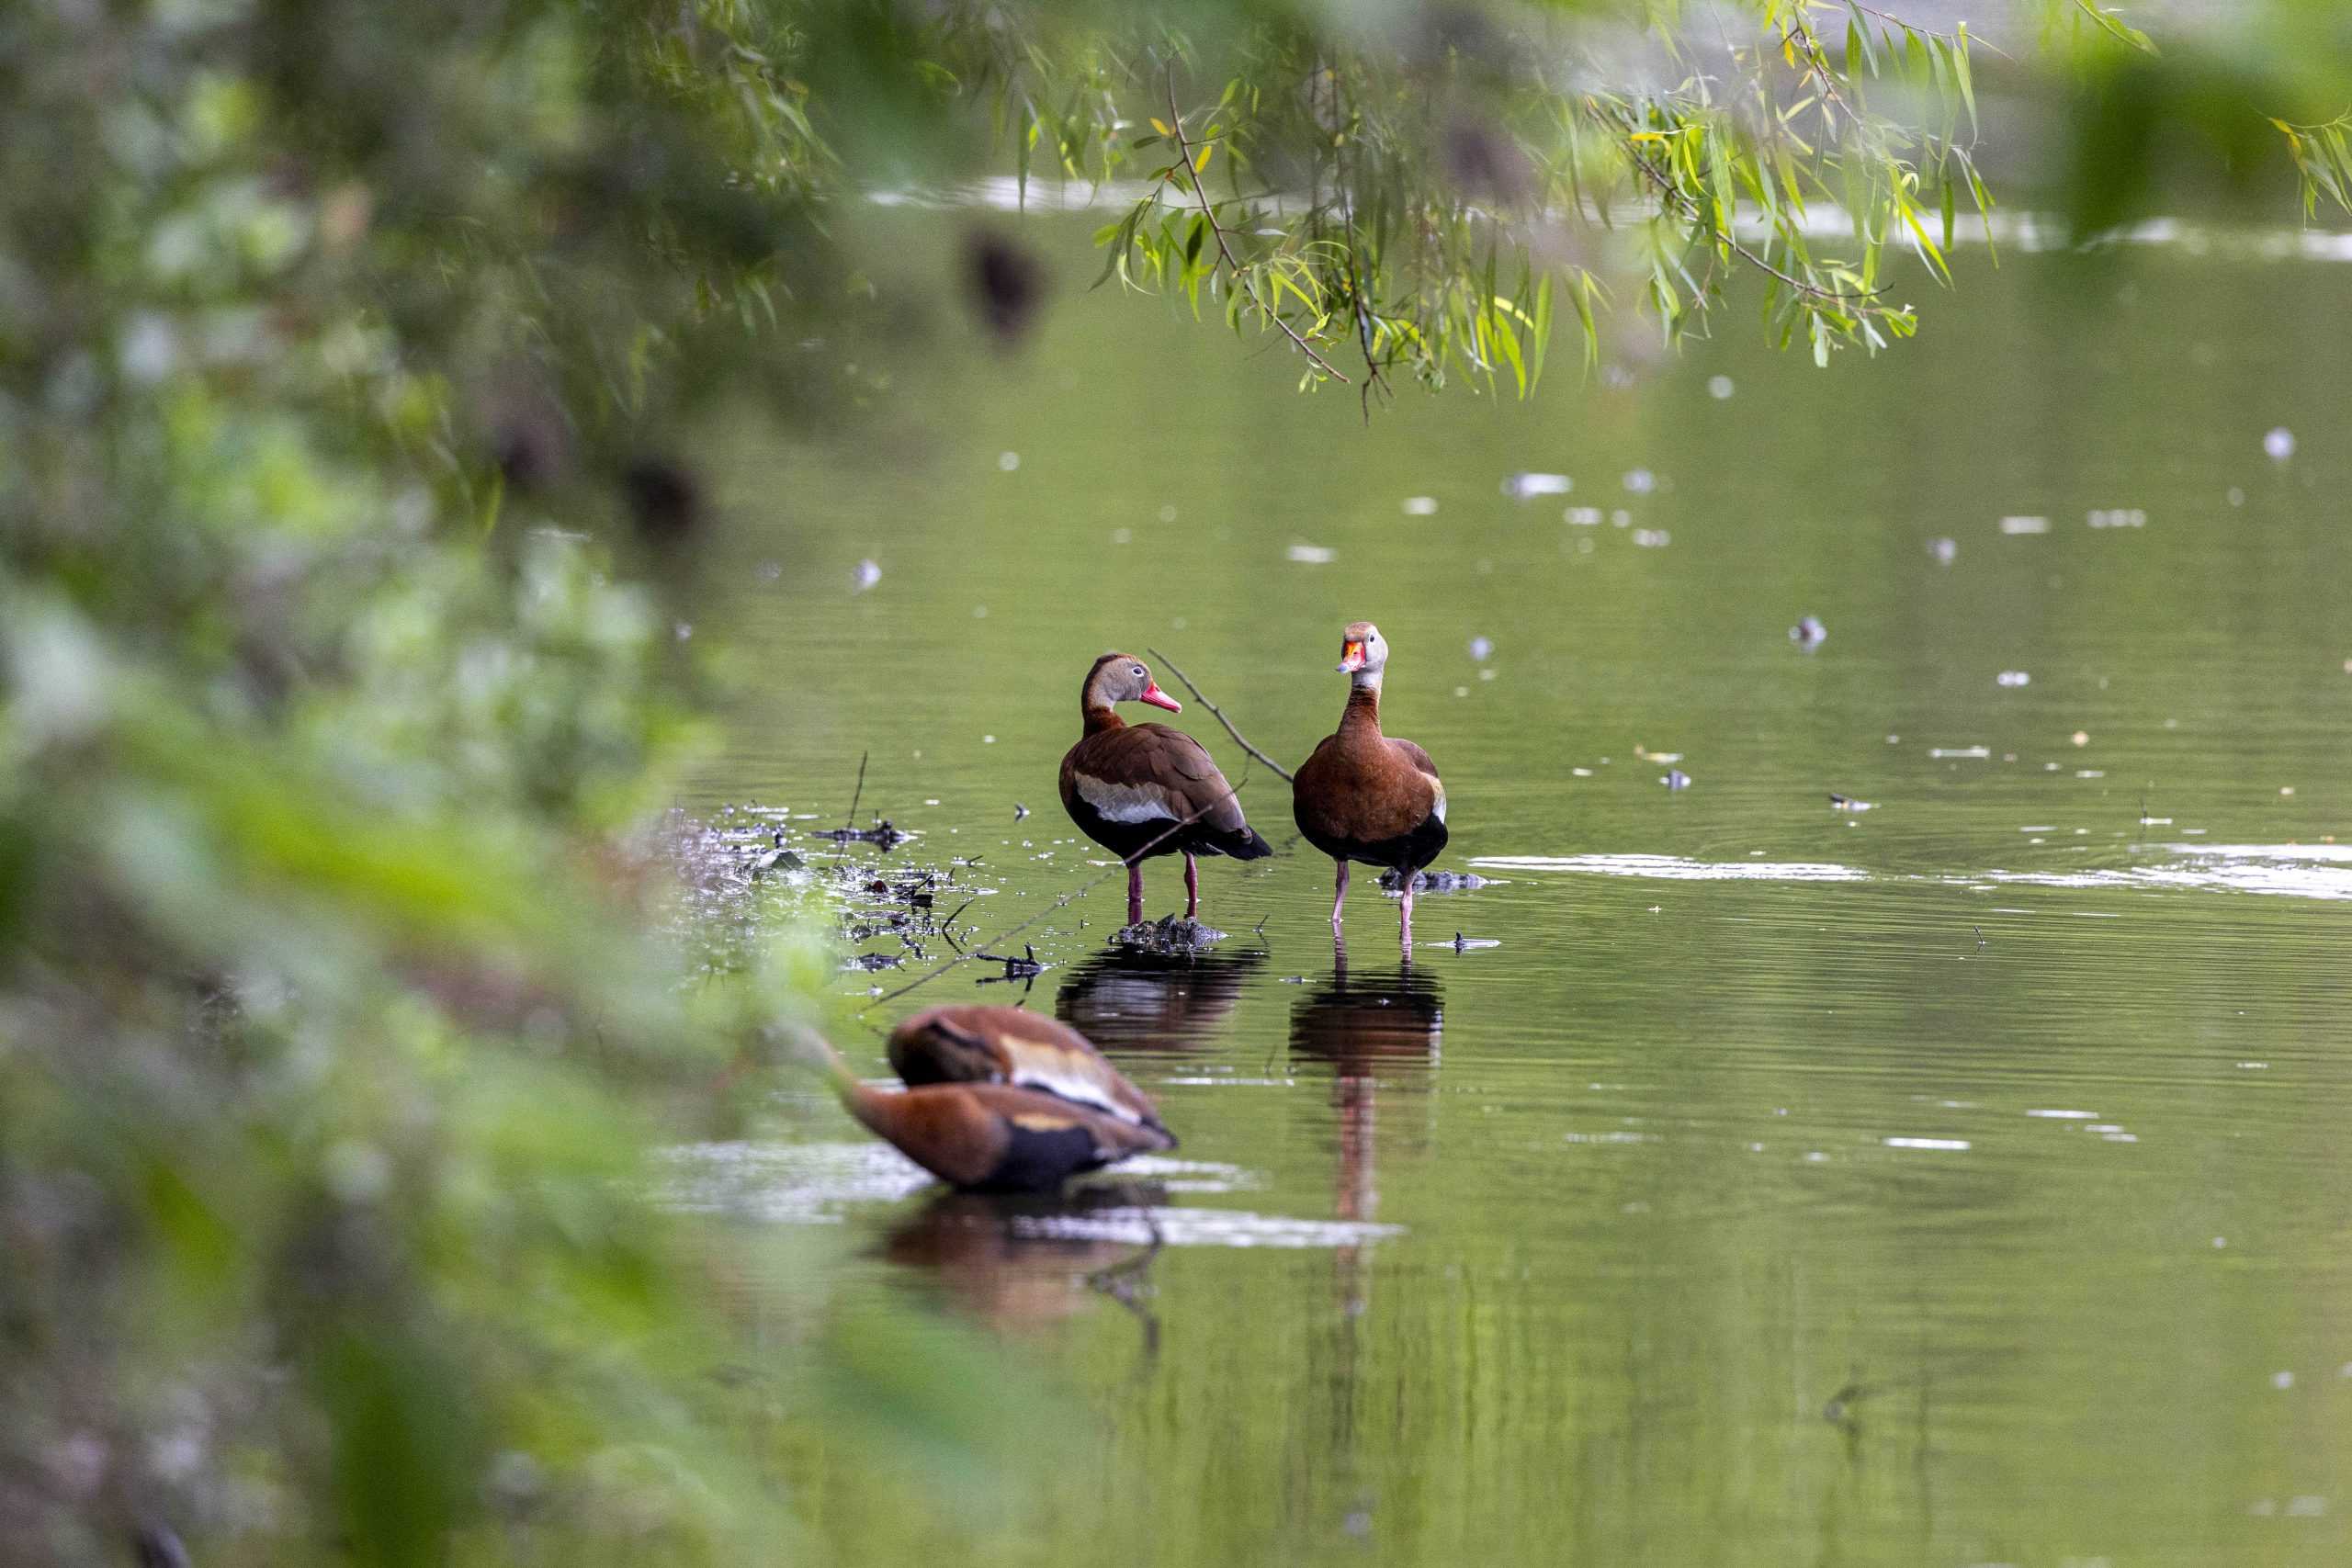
{"points": [[1218, 714]]}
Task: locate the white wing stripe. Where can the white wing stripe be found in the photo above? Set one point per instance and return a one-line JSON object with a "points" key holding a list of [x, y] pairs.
{"points": [[1123, 803]]}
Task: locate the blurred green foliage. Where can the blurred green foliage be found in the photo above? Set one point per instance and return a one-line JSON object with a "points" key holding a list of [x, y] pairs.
{"points": [[346, 353], [340, 346]]}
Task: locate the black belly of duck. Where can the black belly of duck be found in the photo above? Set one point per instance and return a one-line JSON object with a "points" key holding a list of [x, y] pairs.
{"points": [[1406, 853]]}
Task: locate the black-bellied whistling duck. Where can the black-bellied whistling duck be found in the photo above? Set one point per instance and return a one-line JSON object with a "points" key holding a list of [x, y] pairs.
{"points": [[1144, 789], [975, 1043], [1363, 796], [987, 1137]]}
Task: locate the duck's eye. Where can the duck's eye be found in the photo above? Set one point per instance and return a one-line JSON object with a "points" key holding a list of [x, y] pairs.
{"points": [[1137, 670]]}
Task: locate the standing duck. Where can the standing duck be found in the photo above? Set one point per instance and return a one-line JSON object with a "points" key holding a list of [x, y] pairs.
{"points": [[986, 1137], [976, 1043], [1363, 796], [1142, 790]]}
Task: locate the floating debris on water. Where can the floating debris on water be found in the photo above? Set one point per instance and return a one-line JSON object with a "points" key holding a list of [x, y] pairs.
{"points": [[1170, 934], [1435, 882], [2025, 524], [1652, 538], [866, 574], [1648, 756], [1675, 779], [1848, 803], [1420, 506], [1464, 944], [1809, 632], [2119, 517], [2279, 444], [1924, 1142], [1640, 482], [1982, 753], [2081, 737], [1027, 966], [1582, 516], [1720, 388], [881, 833], [1527, 487], [1482, 649], [1008, 461], [1945, 551], [1019, 811], [777, 859], [2013, 678], [1313, 555]]}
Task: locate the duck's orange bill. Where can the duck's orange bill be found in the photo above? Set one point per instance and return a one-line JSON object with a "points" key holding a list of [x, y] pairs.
{"points": [[1159, 699], [1351, 657]]}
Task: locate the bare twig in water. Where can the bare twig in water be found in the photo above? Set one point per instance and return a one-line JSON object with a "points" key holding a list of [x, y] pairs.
{"points": [[1217, 713], [947, 926], [859, 794]]}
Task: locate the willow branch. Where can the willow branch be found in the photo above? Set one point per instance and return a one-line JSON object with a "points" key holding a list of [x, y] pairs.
{"points": [[1218, 714], [1683, 203], [1208, 212]]}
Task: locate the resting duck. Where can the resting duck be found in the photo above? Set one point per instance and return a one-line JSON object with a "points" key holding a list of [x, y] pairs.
{"points": [[986, 1137], [1143, 790], [975, 1043], [1363, 796]]}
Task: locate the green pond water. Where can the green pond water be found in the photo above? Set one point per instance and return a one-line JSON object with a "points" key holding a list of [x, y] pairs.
{"points": [[1959, 1181]]}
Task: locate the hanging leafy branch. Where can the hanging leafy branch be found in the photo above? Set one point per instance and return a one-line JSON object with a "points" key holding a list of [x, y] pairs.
{"points": [[1386, 204], [1423, 215]]}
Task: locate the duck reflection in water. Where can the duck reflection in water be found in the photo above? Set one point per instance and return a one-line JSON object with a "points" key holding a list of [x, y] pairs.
{"points": [[1146, 1001], [1365, 1027], [1021, 1264]]}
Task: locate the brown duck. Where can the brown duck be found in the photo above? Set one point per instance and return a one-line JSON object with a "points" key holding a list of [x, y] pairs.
{"points": [[987, 1137], [1142, 790], [976, 1043], [1363, 796]]}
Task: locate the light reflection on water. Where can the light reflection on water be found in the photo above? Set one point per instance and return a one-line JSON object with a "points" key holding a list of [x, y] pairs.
{"points": [[2295, 871]]}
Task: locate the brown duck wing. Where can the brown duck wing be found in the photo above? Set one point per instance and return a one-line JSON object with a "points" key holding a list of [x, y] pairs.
{"points": [[976, 1043], [1118, 776], [1191, 775]]}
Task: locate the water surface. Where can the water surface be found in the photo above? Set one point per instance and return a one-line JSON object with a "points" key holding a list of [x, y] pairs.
{"points": [[1955, 1181]]}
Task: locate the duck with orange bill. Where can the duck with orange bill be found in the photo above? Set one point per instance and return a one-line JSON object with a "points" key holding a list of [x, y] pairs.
{"points": [[1145, 790], [986, 1136], [1364, 797]]}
